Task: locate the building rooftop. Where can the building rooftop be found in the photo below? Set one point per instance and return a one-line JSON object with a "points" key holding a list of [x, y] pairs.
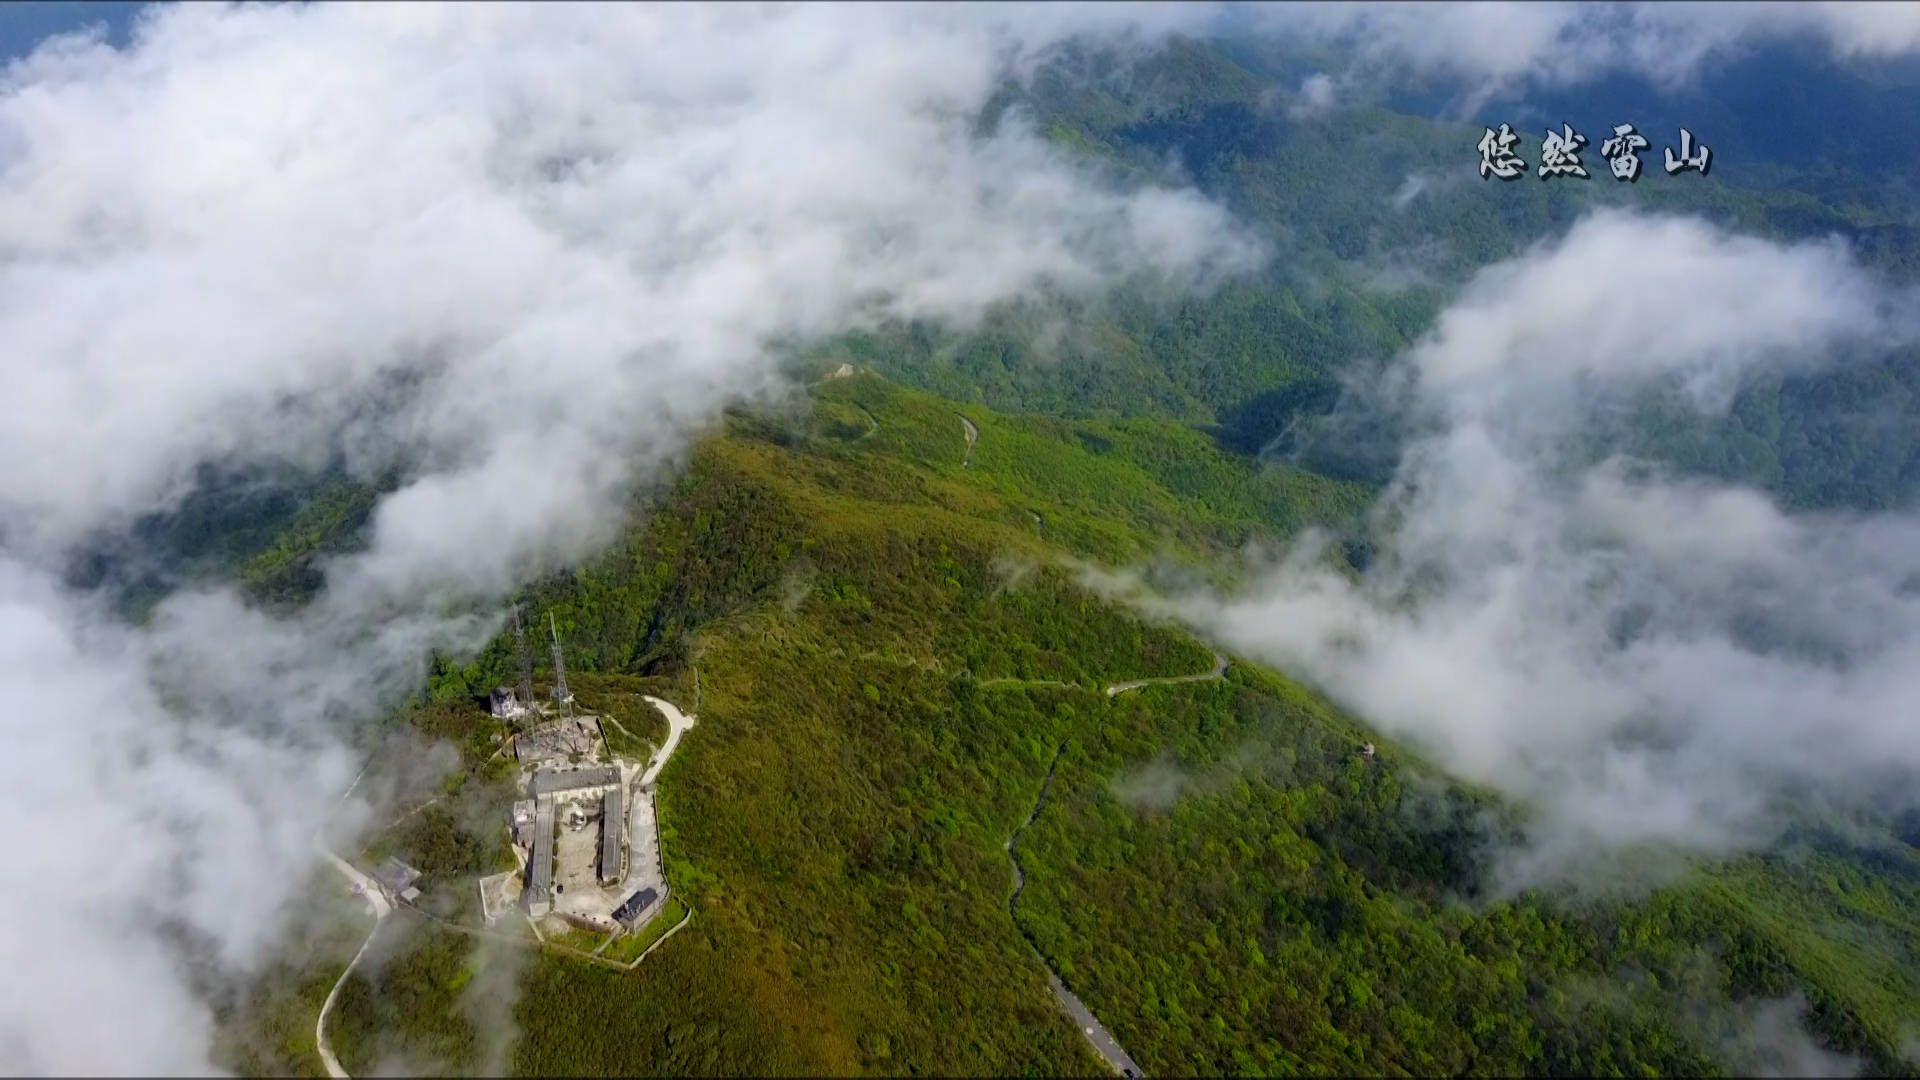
{"points": [[548, 781], [540, 859], [629, 911], [611, 808], [395, 875], [561, 738]]}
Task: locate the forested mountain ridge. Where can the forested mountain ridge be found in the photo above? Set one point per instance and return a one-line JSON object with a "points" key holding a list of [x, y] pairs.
{"points": [[895, 648], [1146, 557], [1376, 218], [891, 655]]}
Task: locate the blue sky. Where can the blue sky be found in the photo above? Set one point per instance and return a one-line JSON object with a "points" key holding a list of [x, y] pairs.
{"points": [[24, 25]]}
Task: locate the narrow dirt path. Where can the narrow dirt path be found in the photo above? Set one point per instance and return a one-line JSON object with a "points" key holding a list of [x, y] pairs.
{"points": [[1015, 682], [1096, 1033], [1009, 683], [1219, 671], [973, 436], [648, 951], [608, 718]]}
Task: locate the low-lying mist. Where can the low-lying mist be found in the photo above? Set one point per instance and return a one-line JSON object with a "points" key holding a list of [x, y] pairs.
{"points": [[529, 252], [1643, 659], [522, 253]]}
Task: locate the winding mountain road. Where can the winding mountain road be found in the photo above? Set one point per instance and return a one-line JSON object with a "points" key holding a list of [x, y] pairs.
{"points": [[1096, 1033], [369, 890], [327, 1057]]}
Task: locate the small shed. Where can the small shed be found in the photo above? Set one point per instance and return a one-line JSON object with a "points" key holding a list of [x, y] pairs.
{"points": [[395, 876], [629, 912], [503, 703]]}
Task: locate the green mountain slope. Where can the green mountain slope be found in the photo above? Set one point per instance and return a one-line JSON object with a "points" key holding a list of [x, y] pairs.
{"points": [[891, 657], [1375, 218], [896, 656]]}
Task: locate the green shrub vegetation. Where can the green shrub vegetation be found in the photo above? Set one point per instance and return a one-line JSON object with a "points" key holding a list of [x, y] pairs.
{"points": [[889, 657], [628, 948], [888, 644]]}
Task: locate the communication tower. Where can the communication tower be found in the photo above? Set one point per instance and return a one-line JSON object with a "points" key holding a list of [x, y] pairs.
{"points": [[524, 658], [560, 692]]}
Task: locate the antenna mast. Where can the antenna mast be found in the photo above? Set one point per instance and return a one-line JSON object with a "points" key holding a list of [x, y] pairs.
{"points": [[525, 660], [560, 693]]}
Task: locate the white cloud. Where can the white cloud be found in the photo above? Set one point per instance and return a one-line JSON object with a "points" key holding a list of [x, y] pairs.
{"points": [[1496, 47], [1316, 96], [527, 250], [289, 202], [1409, 190], [1642, 659], [1625, 298], [127, 820]]}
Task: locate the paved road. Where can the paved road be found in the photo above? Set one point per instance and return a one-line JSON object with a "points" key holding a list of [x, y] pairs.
{"points": [[377, 901], [1219, 670], [327, 1058], [644, 870], [644, 858], [677, 725], [1097, 1034], [973, 436], [370, 891]]}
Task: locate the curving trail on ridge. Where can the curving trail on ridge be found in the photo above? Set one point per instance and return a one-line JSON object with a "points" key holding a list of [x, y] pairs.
{"points": [[973, 436], [1219, 672]]}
